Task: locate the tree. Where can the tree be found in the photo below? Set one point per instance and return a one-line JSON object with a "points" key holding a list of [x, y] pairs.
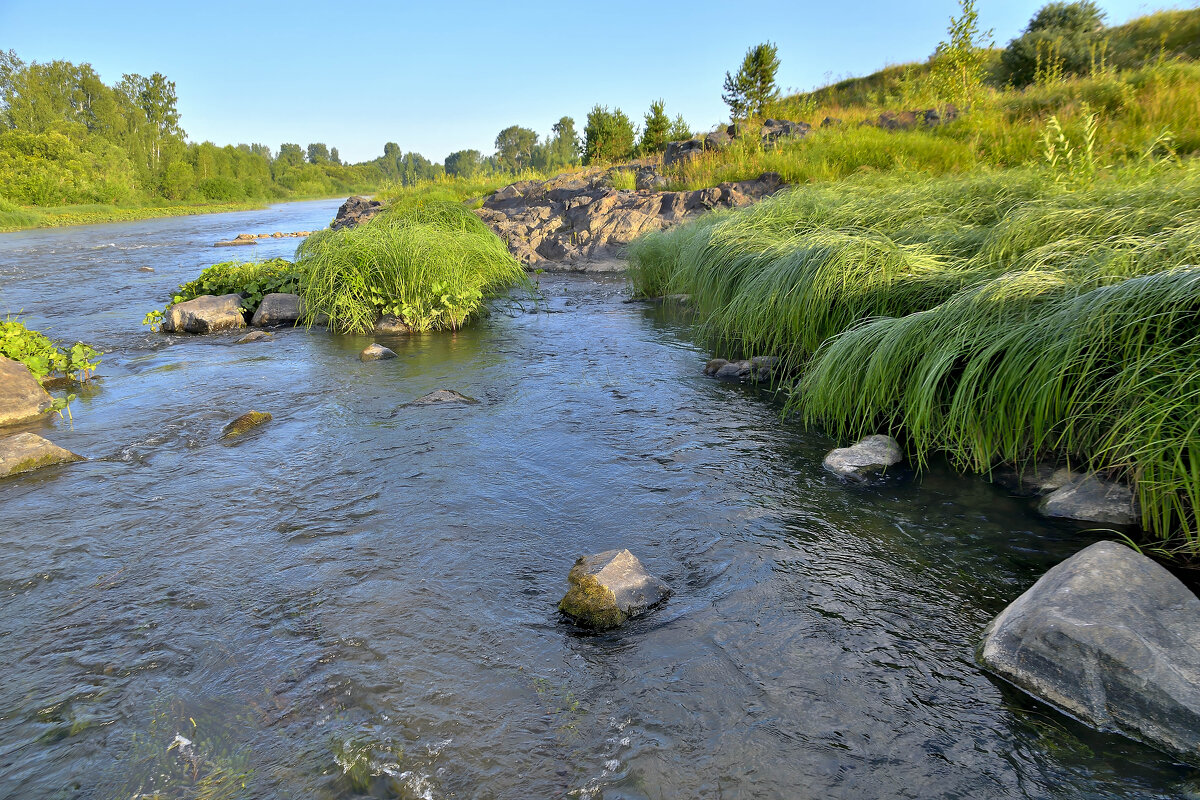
{"points": [[608, 136], [1060, 40], [514, 147], [748, 93], [463, 163], [290, 155], [564, 147], [655, 134], [318, 153], [958, 65], [334, 156], [679, 130]]}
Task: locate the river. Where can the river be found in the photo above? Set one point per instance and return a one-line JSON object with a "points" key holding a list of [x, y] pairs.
{"points": [[359, 600]]}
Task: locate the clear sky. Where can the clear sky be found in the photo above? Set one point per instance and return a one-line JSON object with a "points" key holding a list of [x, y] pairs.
{"points": [[444, 76]]}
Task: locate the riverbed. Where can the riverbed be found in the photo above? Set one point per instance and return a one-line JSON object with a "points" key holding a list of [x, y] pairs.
{"points": [[358, 600]]}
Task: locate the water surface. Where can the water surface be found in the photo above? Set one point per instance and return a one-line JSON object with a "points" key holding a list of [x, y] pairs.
{"points": [[359, 600]]}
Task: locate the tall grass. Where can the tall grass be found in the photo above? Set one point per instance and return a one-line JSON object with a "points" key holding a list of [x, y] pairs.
{"points": [[431, 263], [999, 316]]}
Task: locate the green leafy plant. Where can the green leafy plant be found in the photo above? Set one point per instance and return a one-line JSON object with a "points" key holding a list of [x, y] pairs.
{"points": [[251, 279], [44, 358]]}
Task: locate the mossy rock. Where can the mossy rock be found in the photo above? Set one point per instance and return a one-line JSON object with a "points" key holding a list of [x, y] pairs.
{"points": [[245, 423], [589, 603], [26, 452], [607, 589]]}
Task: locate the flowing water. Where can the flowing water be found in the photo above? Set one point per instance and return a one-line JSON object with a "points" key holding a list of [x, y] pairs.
{"points": [[359, 600]]}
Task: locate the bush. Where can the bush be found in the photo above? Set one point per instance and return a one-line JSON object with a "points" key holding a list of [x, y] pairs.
{"points": [[1061, 39]]}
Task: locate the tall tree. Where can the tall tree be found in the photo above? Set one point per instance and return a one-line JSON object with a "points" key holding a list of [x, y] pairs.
{"points": [[748, 92], [463, 163], [565, 146], [318, 153], [514, 147], [334, 156], [679, 130]]}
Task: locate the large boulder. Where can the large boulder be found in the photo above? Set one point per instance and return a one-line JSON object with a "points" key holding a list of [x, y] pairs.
{"points": [[865, 458], [1112, 638], [22, 398], [24, 452], [1090, 498], [205, 314], [355, 211], [278, 308], [776, 129], [609, 588]]}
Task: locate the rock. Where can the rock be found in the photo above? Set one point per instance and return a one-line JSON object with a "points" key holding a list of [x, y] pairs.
{"points": [[234, 243], [355, 211], [22, 398], [389, 323], [205, 314], [734, 371], [443, 396], [25, 452], [278, 308], [776, 129], [376, 352], [242, 237], [647, 179], [245, 423], [145, 269], [609, 588], [682, 151], [713, 365], [253, 336], [830, 122], [1110, 637], [1037, 479], [865, 458], [1093, 499]]}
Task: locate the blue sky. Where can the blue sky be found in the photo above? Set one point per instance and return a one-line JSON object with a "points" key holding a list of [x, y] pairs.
{"points": [[440, 77]]}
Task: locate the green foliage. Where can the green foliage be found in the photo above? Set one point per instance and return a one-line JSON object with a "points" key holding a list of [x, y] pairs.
{"points": [[251, 279], [657, 130], [463, 163], [748, 93], [608, 136], [1002, 316], [679, 130], [958, 65], [430, 263], [44, 358], [1061, 39]]}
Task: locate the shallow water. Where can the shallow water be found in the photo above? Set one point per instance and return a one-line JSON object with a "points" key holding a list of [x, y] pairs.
{"points": [[359, 600]]}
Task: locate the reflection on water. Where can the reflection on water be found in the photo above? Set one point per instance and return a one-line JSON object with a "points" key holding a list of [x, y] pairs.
{"points": [[358, 600]]}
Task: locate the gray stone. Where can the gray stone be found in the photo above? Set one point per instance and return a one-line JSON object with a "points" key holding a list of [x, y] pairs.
{"points": [[205, 314], [25, 452], [608, 588], [278, 308], [734, 371], [713, 365], [389, 323], [355, 211], [443, 396], [1037, 479], [22, 398], [1112, 638], [865, 458], [145, 269], [376, 352], [1093, 499]]}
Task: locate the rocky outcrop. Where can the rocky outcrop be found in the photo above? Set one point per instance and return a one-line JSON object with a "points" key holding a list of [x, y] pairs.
{"points": [[205, 314], [22, 398], [907, 120], [1091, 498], [864, 459], [1112, 638], [608, 588], [278, 308], [245, 423], [576, 217], [355, 211], [376, 352], [25, 452], [775, 129]]}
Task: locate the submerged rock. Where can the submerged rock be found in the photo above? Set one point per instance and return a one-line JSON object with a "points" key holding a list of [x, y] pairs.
{"points": [[1038, 479], [22, 398], [25, 452], [254, 336], [609, 588], [1092, 499], [246, 422], [234, 243], [278, 308], [376, 352], [865, 458], [1112, 638], [205, 314], [443, 396]]}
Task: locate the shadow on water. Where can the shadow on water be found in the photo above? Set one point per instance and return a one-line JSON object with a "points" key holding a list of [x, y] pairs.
{"points": [[359, 600]]}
